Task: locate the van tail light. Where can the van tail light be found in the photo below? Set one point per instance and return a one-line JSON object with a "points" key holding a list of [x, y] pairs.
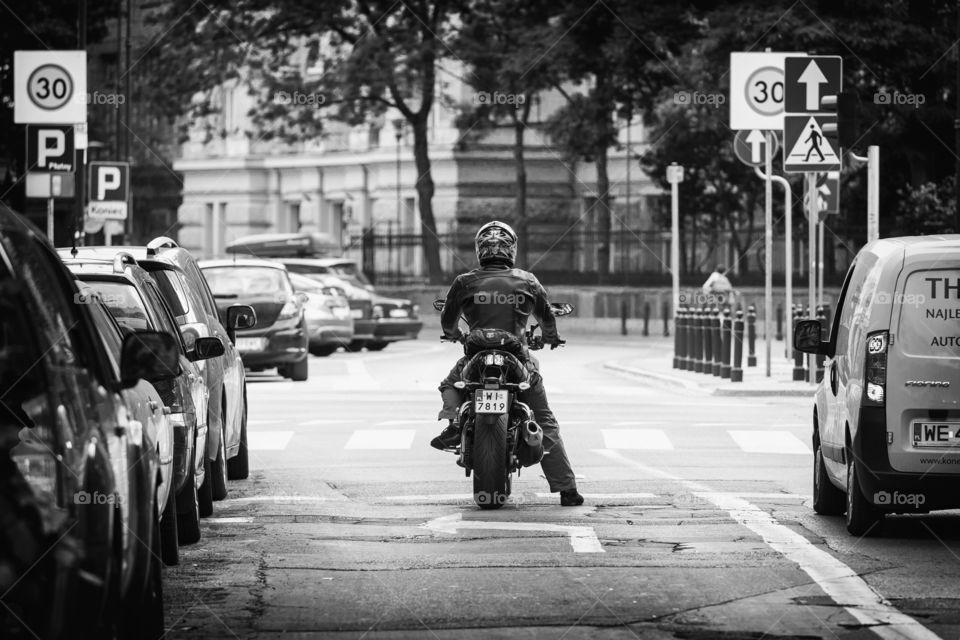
{"points": [[875, 390]]}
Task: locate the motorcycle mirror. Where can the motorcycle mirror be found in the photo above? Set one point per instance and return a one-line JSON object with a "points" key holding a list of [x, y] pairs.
{"points": [[438, 304], [561, 308]]}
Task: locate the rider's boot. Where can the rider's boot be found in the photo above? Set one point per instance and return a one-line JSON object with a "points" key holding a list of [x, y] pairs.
{"points": [[449, 438], [570, 498]]}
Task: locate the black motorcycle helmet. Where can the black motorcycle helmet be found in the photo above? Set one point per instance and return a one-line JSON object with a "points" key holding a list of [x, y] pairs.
{"points": [[496, 242]]}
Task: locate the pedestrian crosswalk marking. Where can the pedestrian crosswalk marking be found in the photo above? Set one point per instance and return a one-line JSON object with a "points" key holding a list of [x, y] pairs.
{"points": [[769, 442], [636, 439], [268, 440], [381, 439], [325, 421]]}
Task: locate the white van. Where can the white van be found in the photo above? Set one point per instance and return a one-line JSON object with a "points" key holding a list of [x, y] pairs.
{"points": [[886, 421]]}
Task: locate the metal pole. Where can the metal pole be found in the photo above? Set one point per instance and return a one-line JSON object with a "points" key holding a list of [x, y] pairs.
{"points": [[50, 220], [80, 190], [956, 141], [788, 220], [675, 241], [626, 215], [128, 223], [768, 251], [810, 193], [820, 260], [873, 192]]}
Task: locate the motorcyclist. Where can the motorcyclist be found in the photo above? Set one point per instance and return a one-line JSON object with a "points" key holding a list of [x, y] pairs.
{"points": [[498, 296]]}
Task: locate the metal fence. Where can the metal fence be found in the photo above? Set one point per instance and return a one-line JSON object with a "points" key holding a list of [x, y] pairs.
{"points": [[634, 258]]}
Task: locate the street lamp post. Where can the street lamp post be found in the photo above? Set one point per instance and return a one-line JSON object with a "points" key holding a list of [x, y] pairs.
{"points": [[398, 135]]}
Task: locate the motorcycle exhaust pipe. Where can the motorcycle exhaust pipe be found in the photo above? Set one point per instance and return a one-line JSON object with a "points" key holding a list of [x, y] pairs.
{"points": [[531, 451]]}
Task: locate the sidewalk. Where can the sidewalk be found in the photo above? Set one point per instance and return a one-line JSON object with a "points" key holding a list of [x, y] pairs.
{"points": [[657, 365]]}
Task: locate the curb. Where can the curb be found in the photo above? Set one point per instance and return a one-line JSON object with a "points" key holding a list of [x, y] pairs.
{"points": [[723, 391]]}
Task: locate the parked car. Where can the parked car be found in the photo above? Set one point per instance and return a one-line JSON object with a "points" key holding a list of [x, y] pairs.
{"points": [[152, 454], [279, 339], [327, 312], [64, 436], [185, 290], [886, 426], [135, 301]]}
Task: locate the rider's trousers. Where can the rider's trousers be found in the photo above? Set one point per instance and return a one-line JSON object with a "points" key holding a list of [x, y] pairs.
{"points": [[555, 464]]}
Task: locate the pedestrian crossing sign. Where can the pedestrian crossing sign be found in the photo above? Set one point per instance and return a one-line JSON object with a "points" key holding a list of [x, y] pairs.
{"points": [[805, 148]]}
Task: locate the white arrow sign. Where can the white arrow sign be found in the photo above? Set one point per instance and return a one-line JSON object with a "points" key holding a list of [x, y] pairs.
{"points": [[582, 539], [755, 139], [812, 77]]}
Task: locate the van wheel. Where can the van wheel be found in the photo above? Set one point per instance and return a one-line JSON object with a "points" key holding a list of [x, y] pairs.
{"points": [[238, 467], [188, 510], [377, 346], [355, 345], [169, 547], [827, 499], [324, 351], [862, 517]]}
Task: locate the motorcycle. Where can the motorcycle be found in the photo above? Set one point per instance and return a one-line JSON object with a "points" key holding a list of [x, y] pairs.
{"points": [[499, 434]]}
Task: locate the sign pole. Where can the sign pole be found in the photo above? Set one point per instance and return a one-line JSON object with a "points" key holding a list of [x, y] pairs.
{"points": [[788, 267], [820, 258], [810, 191], [873, 192], [50, 219], [675, 241], [768, 251]]}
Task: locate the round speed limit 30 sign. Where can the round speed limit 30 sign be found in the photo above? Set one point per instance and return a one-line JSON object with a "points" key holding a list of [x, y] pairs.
{"points": [[756, 90], [50, 87]]}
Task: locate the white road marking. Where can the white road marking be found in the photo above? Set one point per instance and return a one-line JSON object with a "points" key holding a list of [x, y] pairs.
{"points": [[381, 439], [747, 424], [257, 423], [582, 539], [268, 440], [769, 442], [233, 520], [281, 499], [835, 578], [392, 423], [440, 497], [606, 496], [636, 423], [636, 439], [468, 497], [324, 421]]}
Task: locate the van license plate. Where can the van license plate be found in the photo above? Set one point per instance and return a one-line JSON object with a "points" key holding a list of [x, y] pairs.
{"points": [[936, 434], [490, 401]]}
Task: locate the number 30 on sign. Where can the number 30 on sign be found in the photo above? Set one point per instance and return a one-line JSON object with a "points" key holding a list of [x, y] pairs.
{"points": [[756, 90], [50, 87]]}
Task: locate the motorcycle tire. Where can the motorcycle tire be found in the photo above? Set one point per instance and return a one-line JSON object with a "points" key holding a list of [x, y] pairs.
{"points": [[491, 482]]}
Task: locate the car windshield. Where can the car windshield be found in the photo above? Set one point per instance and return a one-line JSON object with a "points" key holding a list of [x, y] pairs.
{"points": [[124, 303], [352, 272], [303, 283], [244, 281]]}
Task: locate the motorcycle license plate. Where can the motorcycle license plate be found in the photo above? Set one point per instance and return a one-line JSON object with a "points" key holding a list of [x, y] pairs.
{"points": [[487, 401]]}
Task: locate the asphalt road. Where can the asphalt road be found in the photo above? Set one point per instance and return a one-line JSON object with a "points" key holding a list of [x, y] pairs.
{"points": [[697, 522]]}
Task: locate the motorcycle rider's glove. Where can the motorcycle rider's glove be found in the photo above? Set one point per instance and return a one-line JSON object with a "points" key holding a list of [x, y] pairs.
{"points": [[557, 342]]}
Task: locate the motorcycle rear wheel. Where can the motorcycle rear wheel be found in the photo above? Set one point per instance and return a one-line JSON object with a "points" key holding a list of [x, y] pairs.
{"points": [[491, 476]]}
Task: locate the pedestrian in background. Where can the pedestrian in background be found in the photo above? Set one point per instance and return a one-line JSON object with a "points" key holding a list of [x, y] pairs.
{"points": [[717, 287]]}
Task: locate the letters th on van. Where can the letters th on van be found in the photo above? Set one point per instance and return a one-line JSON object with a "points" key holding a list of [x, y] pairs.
{"points": [[929, 310]]}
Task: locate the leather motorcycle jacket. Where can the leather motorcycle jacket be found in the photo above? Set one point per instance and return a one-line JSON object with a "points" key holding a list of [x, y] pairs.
{"points": [[496, 296]]}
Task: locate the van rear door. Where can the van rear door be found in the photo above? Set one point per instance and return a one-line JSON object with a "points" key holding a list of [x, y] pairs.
{"points": [[923, 365]]}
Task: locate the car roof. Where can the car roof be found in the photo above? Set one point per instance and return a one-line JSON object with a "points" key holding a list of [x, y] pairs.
{"points": [[107, 269], [241, 262], [323, 262]]}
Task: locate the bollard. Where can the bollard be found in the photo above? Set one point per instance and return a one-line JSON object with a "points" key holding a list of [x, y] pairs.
{"points": [[665, 313], [684, 331], [820, 357], [623, 317], [726, 343], [717, 326], [736, 369], [646, 318], [698, 340], [752, 336], [677, 340], [707, 339], [798, 373], [779, 321]]}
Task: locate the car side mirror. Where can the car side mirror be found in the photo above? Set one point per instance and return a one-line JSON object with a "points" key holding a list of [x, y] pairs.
{"points": [[241, 316], [206, 348], [438, 304], [302, 297], [806, 338], [148, 355]]}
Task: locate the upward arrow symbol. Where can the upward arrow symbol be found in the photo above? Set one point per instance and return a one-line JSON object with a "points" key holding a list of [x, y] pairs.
{"points": [[755, 138], [812, 77]]}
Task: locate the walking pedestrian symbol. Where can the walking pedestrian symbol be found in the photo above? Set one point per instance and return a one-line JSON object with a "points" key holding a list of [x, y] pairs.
{"points": [[806, 148]]}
